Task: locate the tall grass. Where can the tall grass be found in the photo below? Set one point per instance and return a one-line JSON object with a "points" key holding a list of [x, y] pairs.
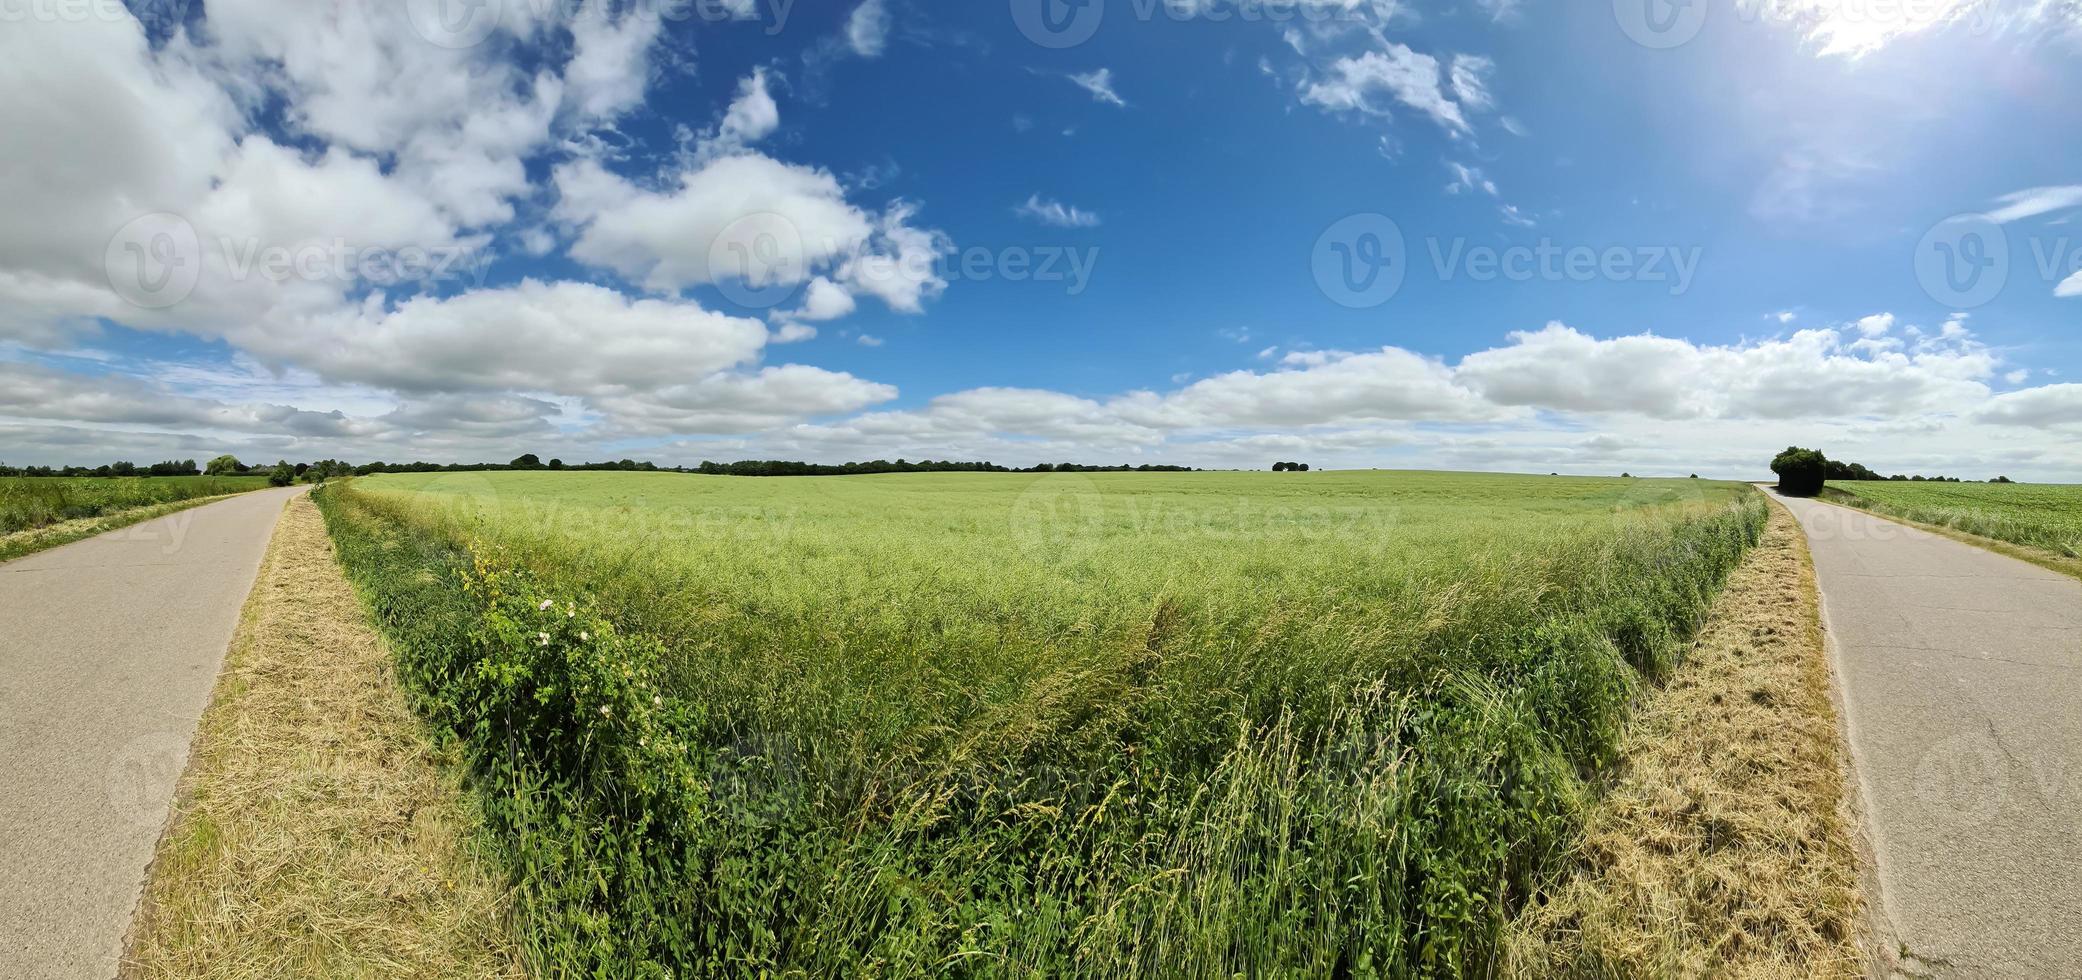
{"points": [[27, 503], [2047, 517], [985, 725]]}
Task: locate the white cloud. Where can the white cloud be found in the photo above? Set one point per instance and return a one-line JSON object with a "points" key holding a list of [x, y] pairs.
{"points": [[1806, 376], [750, 218], [2032, 202], [1466, 178], [1876, 325], [793, 333], [824, 300], [2070, 287], [1410, 77], [753, 116], [1100, 84], [1057, 213], [1470, 81], [737, 403], [610, 61], [2037, 407], [562, 338], [867, 30]]}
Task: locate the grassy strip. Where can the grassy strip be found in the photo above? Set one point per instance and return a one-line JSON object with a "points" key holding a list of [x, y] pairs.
{"points": [[1950, 523], [1725, 846], [315, 833], [23, 543], [1190, 788], [27, 503]]}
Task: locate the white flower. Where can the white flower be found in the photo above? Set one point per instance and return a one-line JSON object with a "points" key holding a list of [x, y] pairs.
{"points": [[584, 636], [542, 639], [546, 603], [657, 701], [605, 711]]}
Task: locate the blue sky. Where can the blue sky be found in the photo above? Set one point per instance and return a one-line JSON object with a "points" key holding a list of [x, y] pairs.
{"points": [[843, 231]]}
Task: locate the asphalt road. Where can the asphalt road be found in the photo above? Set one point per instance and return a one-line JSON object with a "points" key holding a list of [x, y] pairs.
{"points": [[1962, 680], [108, 650]]}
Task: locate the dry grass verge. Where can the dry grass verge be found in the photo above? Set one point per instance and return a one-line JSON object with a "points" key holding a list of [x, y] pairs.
{"points": [[24, 543], [1726, 845], [316, 833]]}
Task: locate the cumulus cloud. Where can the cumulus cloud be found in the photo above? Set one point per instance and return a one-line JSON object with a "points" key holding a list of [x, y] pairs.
{"points": [[563, 338], [2051, 405], [747, 218]]}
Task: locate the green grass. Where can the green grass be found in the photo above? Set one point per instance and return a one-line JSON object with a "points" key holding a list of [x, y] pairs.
{"points": [[27, 503], [40, 513], [2045, 517], [1007, 725]]}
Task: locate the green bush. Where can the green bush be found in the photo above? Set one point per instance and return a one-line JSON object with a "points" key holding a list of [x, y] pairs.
{"points": [[1801, 472]]}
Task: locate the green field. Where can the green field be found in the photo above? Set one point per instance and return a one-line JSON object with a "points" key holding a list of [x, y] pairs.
{"points": [[979, 724], [2048, 517], [27, 503]]}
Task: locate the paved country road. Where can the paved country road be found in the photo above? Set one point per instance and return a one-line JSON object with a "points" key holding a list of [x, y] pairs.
{"points": [[108, 650], [1962, 680]]}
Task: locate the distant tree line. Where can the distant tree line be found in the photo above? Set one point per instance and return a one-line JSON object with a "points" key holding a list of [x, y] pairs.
{"points": [[172, 467], [780, 467], [284, 473], [1802, 472], [1290, 467]]}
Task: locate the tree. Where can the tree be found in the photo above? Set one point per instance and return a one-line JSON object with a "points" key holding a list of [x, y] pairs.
{"points": [[529, 461], [2002, 479], [225, 466], [556, 464], [1301, 467], [282, 475], [1801, 472]]}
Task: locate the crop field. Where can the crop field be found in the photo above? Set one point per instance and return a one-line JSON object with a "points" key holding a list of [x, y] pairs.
{"points": [[2048, 517], [27, 503], [996, 725]]}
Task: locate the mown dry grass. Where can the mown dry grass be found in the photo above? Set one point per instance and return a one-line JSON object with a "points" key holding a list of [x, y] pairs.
{"points": [[316, 833], [1726, 845], [28, 542]]}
